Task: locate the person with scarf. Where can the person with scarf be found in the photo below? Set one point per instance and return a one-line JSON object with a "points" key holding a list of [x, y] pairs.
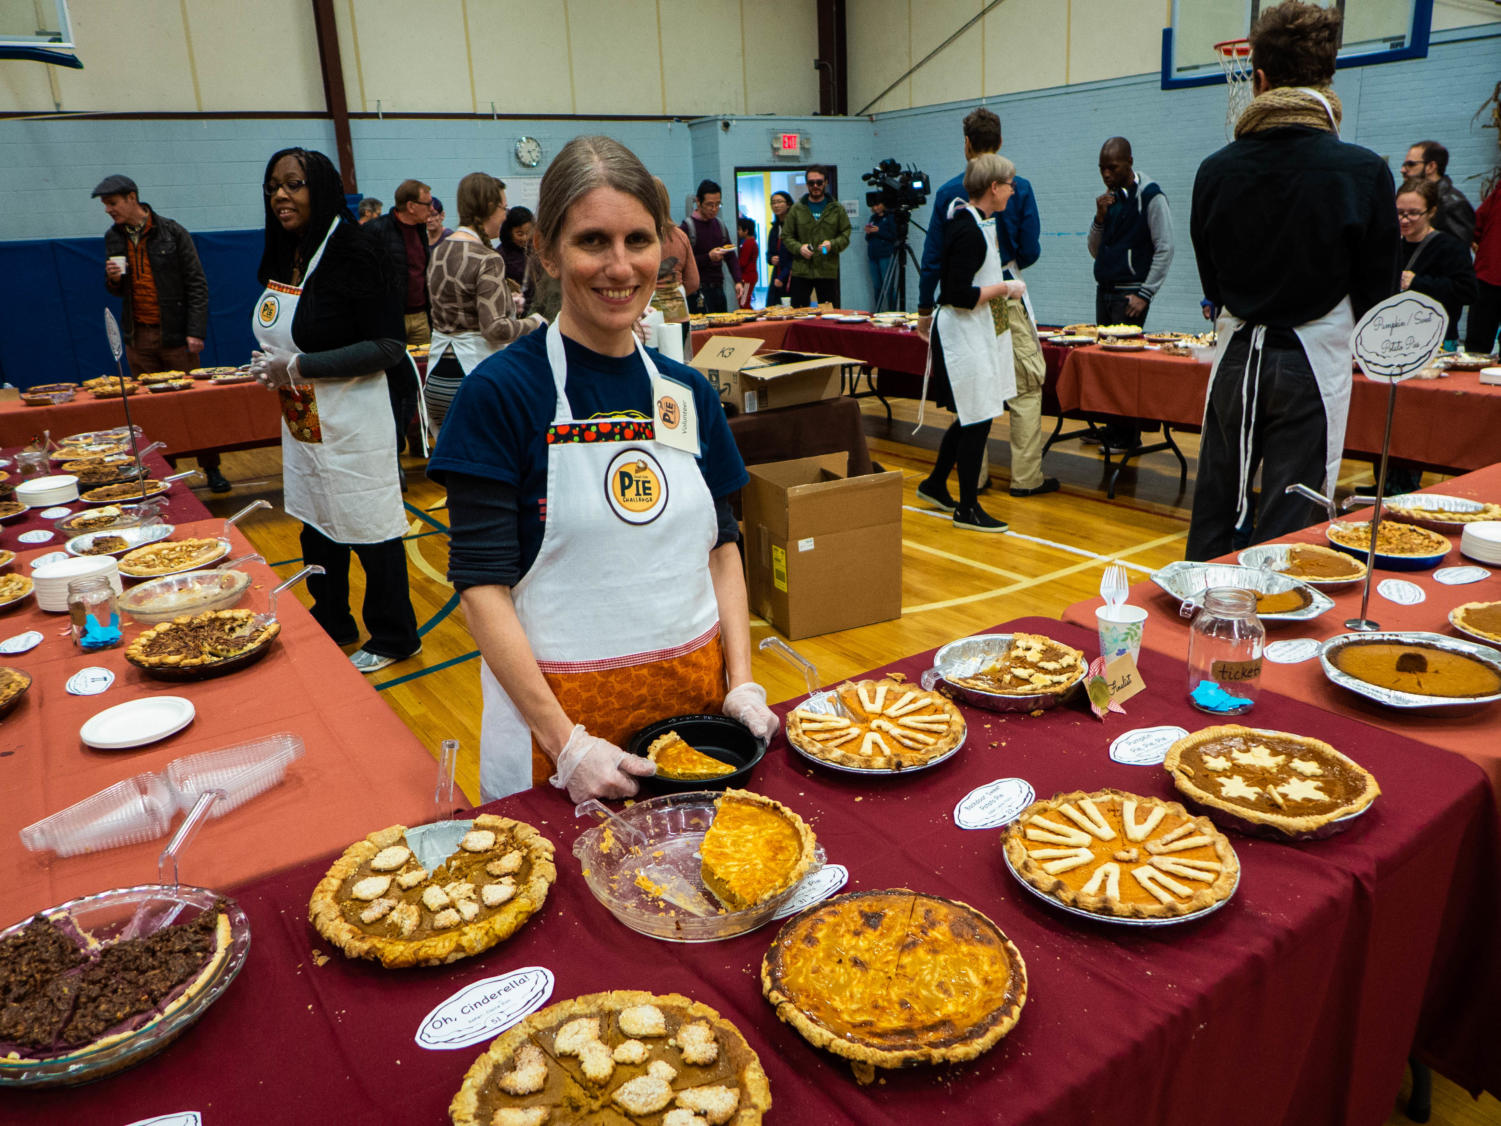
{"points": [[1295, 234]]}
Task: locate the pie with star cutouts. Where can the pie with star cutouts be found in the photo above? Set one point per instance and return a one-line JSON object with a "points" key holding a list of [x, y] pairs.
{"points": [[889, 726], [1288, 782], [895, 978], [755, 848], [1122, 855]]}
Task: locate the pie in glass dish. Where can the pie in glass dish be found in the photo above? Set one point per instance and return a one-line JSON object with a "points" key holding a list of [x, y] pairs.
{"points": [[171, 556], [1287, 782], [754, 849], [1121, 855], [620, 1058], [890, 725], [378, 902], [200, 640], [895, 978]]}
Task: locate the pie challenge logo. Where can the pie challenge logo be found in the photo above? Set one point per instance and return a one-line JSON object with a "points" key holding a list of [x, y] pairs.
{"points": [[636, 487], [269, 310]]}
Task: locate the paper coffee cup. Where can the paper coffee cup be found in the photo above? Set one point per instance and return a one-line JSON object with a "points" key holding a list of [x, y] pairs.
{"points": [[1120, 630], [786, 301], [121, 261]]}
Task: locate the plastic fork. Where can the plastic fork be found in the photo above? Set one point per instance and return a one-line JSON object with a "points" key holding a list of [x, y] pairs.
{"points": [[1113, 585], [827, 703]]}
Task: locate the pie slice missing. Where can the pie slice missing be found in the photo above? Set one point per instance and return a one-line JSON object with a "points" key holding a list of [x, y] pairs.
{"points": [[676, 759]]}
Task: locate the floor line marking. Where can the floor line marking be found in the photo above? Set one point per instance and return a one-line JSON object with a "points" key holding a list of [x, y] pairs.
{"points": [[414, 553], [1014, 576], [448, 664], [437, 619], [424, 517]]}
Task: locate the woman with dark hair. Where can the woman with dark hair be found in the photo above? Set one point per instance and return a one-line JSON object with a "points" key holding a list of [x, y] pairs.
{"points": [[627, 603], [776, 254], [713, 251], [1433, 261], [515, 238], [328, 327]]}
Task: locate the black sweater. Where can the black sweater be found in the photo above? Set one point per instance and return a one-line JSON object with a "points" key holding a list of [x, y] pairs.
{"points": [[963, 255], [1442, 269], [1288, 221]]}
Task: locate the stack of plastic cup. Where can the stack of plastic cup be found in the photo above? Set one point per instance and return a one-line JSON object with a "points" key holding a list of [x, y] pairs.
{"points": [[239, 773]]}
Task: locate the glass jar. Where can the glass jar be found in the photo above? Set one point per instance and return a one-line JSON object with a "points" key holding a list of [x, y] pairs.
{"points": [[32, 463], [94, 610], [1224, 652]]}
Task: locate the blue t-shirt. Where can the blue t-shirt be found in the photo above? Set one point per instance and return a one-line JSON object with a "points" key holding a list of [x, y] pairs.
{"points": [[817, 208], [497, 425]]}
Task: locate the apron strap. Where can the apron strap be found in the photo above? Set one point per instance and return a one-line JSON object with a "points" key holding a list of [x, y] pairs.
{"points": [[557, 359]]}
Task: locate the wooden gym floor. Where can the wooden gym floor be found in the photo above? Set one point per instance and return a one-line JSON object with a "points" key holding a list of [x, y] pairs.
{"points": [[954, 583]]}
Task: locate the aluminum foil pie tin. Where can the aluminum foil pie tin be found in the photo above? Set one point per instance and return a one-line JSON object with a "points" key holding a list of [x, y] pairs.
{"points": [[1187, 582], [967, 656], [1409, 700]]}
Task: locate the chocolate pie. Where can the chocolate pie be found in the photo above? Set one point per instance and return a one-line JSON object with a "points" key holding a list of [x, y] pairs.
{"points": [[202, 640]]}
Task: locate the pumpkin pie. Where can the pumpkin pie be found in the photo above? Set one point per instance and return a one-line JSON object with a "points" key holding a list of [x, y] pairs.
{"points": [[378, 902], [171, 556], [1121, 855], [620, 1058], [889, 725], [1417, 668], [754, 849], [1483, 619], [676, 759], [1032, 665], [1315, 563], [1288, 782], [895, 978]]}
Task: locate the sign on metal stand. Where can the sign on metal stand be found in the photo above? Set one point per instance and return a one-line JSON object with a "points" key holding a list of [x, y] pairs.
{"points": [[117, 349]]}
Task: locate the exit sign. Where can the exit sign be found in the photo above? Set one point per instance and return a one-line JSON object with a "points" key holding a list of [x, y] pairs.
{"points": [[787, 144]]}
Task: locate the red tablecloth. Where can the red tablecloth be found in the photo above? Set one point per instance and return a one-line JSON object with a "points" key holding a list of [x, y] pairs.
{"points": [[1295, 1004], [182, 507]]}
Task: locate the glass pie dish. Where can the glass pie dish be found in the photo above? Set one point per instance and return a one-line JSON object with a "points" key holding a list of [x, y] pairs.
{"points": [[192, 592]]}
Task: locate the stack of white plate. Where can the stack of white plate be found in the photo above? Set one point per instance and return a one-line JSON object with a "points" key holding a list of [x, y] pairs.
{"points": [[57, 489], [52, 579], [1482, 541]]}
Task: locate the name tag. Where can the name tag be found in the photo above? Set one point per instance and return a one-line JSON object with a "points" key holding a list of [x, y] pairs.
{"points": [[674, 414]]}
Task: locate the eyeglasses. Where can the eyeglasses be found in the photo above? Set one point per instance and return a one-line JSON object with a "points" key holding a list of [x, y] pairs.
{"points": [[292, 187], [1412, 164], [1411, 214]]}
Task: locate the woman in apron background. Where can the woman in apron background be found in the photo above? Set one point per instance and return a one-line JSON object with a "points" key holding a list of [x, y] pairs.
{"points": [[473, 312], [324, 326], [677, 276], [971, 340], [588, 483]]}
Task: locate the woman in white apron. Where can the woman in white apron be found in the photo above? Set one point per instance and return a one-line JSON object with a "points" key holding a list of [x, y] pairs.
{"points": [[324, 329], [473, 313], [589, 485], [971, 340]]}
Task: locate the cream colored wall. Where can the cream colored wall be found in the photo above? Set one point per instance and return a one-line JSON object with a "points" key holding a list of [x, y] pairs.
{"points": [[587, 57]]}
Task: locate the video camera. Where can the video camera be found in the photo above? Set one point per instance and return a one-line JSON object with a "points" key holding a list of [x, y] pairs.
{"points": [[900, 189]]}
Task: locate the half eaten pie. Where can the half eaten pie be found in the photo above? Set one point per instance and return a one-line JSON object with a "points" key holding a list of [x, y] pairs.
{"points": [[1289, 782], [201, 639], [895, 978], [171, 556], [378, 902], [1032, 665], [1117, 854], [676, 759], [755, 848], [890, 726], [616, 1059], [1480, 618]]}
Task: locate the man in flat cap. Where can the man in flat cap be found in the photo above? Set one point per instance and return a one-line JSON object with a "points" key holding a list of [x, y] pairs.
{"points": [[153, 267]]}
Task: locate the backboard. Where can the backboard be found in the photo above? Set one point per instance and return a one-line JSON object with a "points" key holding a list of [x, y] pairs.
{"points": [[1376, 31]]}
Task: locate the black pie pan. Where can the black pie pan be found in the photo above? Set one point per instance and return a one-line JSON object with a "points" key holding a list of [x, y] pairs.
{"points": [[717, 736]]}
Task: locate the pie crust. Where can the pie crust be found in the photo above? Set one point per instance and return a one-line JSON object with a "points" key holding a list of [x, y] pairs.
{"points": [[1487, 511], [895, 978], [755, 848], [1289, 782], [1483, 619], [1406, 541], [378, 902], [1033, 665], [892, 726], [620, 1058], [676, 759], [126, 491], [1123, 855], [13, 683], [192, 641], [87, 450], [1315, 563], [171, 556]]}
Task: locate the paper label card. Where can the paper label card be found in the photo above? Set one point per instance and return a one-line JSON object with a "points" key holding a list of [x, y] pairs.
{"points": [[37, 536], [1292, 651], [178, 1118], [55, 513], [1459, 576], [1146, 746], [90, 681], [1124, 678], [21, 642], [994, 804], [483, 1009], [1400, 591], [815, 887], [1400, 336], [674, 415]]}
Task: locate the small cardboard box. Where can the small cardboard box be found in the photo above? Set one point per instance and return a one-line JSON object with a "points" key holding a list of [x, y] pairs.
{"points": [[751, 382], [823, 549]]}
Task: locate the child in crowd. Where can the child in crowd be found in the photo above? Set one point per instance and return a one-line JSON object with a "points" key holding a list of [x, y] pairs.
{"points": [[750, 253]]}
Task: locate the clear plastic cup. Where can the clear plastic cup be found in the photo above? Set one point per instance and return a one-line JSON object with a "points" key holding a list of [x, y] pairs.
{"points": [[240, 772], [137, 809]]}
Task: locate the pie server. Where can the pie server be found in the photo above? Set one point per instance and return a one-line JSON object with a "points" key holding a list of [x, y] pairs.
{"points": [[818, 701], [436, 841]]}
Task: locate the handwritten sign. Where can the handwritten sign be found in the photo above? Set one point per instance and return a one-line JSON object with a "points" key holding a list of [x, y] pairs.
{"points": [[483, 1009], [178, 1118], [1459, 576], [1146, 746], [37, 536], [90, 681], [994, 804], [21, 642], [1292, 651], [1400, 591], [55, 513], [1400, 336], [1124, 678], [820, 885]]}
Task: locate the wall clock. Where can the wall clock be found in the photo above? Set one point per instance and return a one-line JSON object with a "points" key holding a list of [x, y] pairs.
{"points": [[528, 151]]}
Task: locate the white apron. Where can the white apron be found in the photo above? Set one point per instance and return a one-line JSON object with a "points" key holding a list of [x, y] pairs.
{"points": [[468, 348], [621, 582], [981, 366], [1326, 343], [338, 440]]}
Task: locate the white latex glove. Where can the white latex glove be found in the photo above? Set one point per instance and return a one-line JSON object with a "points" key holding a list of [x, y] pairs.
{"points": [[590, 767], [1015, 288], [747, 703], [275, 367]]}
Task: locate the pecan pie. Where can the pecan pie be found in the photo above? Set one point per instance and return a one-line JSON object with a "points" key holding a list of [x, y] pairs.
{"points": [[1032, 665], [13, 685], [1393, 539], [14, 587], [755, 848], [204, 639], [1117, 854], [1288, 782], [1483, 619], [378, 902], [171, 556], [82, 450], [9, 508], [616, 1059], [895, 978], [104, 545], [129, 490], [97, 520], [890, 726], [676, 759]]}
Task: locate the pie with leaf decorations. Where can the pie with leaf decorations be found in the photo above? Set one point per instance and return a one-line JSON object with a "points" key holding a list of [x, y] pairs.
{"points": [[1122, 855], [887, 725], [1288, 782]]}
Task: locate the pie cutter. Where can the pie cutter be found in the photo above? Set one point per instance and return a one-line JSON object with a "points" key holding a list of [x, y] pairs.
{"points": [[264, 619], [671, 885], [436, 841], [148, 919], [818, 702]]}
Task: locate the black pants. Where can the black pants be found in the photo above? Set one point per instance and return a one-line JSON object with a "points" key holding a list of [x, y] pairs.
{"points": [[962, 446], [388, 600], [802, 290], [711, 298], [1485, 318], [402, 386], [1288, 442], [1111, 308]]}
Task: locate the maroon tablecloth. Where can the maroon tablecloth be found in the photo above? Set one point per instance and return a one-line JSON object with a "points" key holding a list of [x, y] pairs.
{"points": [[183, 506], [1295, 1004]]}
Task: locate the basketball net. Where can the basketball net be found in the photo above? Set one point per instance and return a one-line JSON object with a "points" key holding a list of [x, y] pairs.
{"points": [[1235, 61]]}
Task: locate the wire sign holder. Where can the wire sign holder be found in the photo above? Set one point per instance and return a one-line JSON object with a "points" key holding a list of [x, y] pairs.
{"points": [[1395, 340], [117, 349]]}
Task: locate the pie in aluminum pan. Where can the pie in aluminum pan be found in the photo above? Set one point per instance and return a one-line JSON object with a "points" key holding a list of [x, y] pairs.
{"points": [[1032, 664], [891, 726], [895, 978], [1117, 854], [378, 902], [1288, 782], [620, 1058], [200, 640], [1482, 619], [171, 556], [755, 848]]}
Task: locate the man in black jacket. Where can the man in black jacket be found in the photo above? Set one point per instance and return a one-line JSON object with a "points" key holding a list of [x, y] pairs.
{"points": [[153, 267], [1429, 160], [402, 234]]}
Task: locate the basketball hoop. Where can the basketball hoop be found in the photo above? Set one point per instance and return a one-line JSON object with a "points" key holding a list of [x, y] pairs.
{"points": [[1235, 61]]}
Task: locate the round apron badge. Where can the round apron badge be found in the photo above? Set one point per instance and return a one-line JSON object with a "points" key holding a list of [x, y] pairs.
{"points": [[636, 487], [268, 312]]}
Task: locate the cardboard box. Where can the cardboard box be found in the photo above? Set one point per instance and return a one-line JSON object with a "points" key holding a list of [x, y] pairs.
{"points": [[823, 550], [751, 382]]}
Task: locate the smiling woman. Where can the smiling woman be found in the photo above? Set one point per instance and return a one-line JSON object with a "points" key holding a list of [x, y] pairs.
{"points": [[588, 489]]}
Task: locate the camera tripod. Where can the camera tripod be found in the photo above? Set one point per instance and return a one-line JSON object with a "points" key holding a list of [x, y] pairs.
{"points": [[894, 284]]}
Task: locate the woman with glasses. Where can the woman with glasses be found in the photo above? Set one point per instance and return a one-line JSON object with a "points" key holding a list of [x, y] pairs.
{"points": [[776, 254], [1433, 261], [326, 325]]}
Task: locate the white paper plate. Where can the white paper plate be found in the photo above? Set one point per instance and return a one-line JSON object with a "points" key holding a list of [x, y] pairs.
{"points": [[137, 722]]}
